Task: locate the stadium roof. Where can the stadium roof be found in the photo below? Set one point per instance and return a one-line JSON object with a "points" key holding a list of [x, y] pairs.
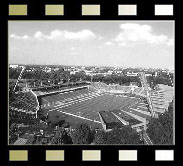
{"points": [[61, 85]]}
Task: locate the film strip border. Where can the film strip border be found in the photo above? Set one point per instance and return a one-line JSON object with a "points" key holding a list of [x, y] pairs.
{"points": [[63, 9], [90, 10], [96, 10], [89, 155]]}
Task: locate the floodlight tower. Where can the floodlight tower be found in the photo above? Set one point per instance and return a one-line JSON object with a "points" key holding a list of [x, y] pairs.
{"points": [[145, 86], [19, 77], [168, 73], [91, 77]]}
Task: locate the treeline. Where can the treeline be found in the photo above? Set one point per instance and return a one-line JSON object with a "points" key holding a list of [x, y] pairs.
{"points": [[60, 75], [82, 134], [161, 130], [162, 78], [37, 75]]}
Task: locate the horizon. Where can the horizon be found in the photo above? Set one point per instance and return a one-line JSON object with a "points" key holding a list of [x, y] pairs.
{"points": [[134, 44], [90, 66]]}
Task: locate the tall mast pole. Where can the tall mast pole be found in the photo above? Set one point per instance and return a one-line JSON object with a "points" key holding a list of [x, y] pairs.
{"points": [[23, 68]]}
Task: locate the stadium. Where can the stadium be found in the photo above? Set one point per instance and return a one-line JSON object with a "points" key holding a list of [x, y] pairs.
{"points": [[101, 106]]}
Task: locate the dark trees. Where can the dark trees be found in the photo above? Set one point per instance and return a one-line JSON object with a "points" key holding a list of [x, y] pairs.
{"points": [[161, 130], [61, 137], [13, 133], [126, 135], [82, 134]]}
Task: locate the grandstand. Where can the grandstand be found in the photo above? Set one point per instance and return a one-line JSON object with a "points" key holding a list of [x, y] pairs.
{"points": [[98, 104], [86, 103], [83, 102], [24, 108], [112, 88]]}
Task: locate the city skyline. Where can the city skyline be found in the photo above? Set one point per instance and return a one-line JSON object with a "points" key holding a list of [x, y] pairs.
{"points": [[92, 43]]}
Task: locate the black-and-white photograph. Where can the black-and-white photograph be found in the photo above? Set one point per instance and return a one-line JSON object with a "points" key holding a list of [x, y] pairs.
{"points": [[91, 83]]}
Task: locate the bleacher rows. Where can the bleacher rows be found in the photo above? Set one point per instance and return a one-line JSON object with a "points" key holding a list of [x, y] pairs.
{"points": [[45, 90], [25, 101], [158, 101], [19, 104], [107, 88], [139, 111], [22, 110], [26, 97], [21, 115], [156, 97]]}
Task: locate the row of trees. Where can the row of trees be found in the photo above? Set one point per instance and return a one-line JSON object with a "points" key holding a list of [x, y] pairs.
{"points": [[161, 130], [163, 78], [84, 135], [60, 75], [13, 133]]}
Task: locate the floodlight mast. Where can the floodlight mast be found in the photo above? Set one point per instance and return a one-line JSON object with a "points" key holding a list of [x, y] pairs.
{"points": [[19, 77], [168, 73], [145, 86]]}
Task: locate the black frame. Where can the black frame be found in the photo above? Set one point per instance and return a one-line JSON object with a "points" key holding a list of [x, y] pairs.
{"points": [[72, 11]]}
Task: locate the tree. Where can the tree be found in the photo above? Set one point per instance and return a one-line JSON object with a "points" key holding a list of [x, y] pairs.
{"points": [[82, 134], [100, 137], [161, 130], [31, 140], [13, 133], [126, 135], [61, 137]]}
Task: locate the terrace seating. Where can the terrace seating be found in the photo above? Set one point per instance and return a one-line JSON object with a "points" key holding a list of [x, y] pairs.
{"points": [[100, 85], [19, 115], [26, 101], [140, 91]]}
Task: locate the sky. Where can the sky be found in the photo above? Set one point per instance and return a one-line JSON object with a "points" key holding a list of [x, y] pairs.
{"points": [[92, 43]]}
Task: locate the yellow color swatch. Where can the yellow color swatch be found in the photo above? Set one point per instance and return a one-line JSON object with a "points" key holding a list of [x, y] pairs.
{"points": [[54, 10], [18, 155], [91, 155], [15, 10], [55, 155], [90, 10]]}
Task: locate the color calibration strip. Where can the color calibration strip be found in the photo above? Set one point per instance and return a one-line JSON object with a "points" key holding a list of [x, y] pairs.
{"points": [[91, 155], [90, 10]]}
